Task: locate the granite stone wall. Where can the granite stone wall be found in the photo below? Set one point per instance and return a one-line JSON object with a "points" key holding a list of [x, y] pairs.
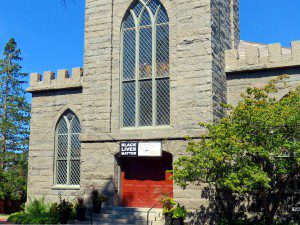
{"points": [[52, 95], [256, 64], [235, 23], [47, 107], [238, 82]]}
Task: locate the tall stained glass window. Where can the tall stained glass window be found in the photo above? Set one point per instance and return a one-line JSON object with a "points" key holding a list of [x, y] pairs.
{"points": [[145, 65]]}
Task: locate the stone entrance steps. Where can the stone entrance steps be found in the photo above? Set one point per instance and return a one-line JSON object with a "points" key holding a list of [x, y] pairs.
{"points": [[121, 216]]}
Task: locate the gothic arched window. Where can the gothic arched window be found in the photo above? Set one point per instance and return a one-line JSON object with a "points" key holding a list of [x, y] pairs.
{"points": [[67, 150], [145, 65]]}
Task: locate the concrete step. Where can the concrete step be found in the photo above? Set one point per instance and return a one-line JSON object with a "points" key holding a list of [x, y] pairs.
{"points": [[136, 209], [132, 211], [122, 215], [124, 220], [140, 223], [152, 217]]}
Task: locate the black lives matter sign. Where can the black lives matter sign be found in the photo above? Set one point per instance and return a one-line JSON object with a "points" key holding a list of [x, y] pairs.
{"points": [[129, 148]]}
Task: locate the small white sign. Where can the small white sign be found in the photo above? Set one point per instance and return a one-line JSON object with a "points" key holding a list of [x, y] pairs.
{"points": [[149, 149], [295, 209]]}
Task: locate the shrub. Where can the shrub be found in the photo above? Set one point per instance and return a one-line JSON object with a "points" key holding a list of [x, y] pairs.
{"points": [[179, 212], [36, 207], [80, 209], [25, 218], [96, 197], [65, 210], [97, 200], [37, 212], [167, 204]]}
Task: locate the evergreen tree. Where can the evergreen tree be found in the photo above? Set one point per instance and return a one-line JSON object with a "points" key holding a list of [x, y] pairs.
{"points": [[14, 125]]}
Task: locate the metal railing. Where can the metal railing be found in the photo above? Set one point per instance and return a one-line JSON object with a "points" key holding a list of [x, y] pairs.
{"points": [[148, 212]]}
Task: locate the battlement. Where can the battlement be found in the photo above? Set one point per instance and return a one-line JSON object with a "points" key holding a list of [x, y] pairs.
{"points": [[253, 56], [50, 82]]}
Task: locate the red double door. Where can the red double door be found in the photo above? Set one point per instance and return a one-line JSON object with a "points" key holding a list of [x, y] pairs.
{"points": [[145, 179]]}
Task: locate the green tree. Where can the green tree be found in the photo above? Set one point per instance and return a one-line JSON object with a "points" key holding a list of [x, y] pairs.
{"points": [[14, 125], [253, 152]]}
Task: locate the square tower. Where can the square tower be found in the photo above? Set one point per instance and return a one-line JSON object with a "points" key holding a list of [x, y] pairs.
{"points": [[152, 70]]}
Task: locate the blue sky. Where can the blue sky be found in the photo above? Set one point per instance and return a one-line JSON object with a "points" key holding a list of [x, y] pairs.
{"points": [[51, 36]]}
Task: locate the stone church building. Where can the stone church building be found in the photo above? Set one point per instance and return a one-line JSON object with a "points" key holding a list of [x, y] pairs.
{"points": [[152, 70]]}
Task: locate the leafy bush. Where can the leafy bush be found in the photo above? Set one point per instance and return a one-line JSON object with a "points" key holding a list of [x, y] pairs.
{"points": [[97, 200], [36, 207], [80, 209], [179, 212], [25, 218], [97, 197], [37, 212], [65, 210], [167, 204]]}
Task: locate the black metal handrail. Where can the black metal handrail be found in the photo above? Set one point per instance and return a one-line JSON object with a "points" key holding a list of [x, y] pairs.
{"points": [[153, 208], [150, 210]]}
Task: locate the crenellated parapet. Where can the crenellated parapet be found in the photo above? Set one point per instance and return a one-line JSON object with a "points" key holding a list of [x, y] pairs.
{"points": [[50, 82], [253, 56]]}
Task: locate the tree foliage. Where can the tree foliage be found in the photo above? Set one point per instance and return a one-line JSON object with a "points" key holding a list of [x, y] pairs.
{"points": [[254, 151], [14, 124]]}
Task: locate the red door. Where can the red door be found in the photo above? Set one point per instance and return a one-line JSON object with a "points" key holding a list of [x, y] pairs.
{"points": [[145, 179]]}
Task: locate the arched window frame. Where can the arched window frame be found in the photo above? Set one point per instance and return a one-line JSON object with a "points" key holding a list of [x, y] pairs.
{"points": [[154, 25], [73, 147]]}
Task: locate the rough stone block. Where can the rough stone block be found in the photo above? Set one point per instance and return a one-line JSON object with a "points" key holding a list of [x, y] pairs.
{"points": [[296, 51], [274, 53], [77, 72], [252, 54], [48, 76], [231, 57], [35, 78], [62, 75]]}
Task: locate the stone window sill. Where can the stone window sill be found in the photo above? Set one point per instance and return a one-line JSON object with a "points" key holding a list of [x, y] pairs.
{"points": [[64, 187], [149, 128]]}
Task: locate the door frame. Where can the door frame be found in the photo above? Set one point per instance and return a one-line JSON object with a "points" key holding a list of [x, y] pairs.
{"points": [[118, 174]]}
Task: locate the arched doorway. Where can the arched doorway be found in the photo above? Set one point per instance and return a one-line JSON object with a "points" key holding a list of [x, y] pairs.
{"points": [[145, 179]]}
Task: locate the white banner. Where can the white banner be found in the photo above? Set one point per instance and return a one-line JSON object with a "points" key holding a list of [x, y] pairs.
{"points": [[149, 149]]}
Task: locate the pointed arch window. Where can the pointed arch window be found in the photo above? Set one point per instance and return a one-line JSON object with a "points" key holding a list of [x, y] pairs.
{"points": [[67, 150], [145, 65]]}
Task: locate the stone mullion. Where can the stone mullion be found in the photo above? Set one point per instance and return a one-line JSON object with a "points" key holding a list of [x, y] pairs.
{"points": [[55, 157], [153, 23], [68, 152], [137, 71], [121, 116]]}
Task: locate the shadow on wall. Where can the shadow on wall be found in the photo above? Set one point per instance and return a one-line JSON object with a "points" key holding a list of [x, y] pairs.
{"points": [[264, 74], [227, 206], [222, 204], [108, 190]]}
